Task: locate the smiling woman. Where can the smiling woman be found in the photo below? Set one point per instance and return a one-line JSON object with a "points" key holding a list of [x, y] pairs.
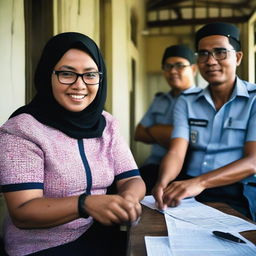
{"points": [[60, 153], [62, 53], [71, 89]]}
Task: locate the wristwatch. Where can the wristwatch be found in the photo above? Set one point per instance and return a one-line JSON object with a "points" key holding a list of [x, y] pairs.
{"points": [[81, 210]]}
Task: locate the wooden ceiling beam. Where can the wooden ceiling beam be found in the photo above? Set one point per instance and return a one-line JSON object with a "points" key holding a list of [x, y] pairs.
{"points": [[167, 4], [164, 4], [180, 22], [225, 4]]}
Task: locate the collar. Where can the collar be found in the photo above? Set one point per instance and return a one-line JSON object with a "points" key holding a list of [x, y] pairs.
{"points": [[186, 91], [240, 89]]}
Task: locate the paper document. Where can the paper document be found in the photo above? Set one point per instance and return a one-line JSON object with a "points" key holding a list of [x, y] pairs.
{"points": [[189, 239], [158, 246], [202, 215]]}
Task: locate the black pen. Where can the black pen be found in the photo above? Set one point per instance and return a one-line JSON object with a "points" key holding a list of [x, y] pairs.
{"points": [[228, 236]]}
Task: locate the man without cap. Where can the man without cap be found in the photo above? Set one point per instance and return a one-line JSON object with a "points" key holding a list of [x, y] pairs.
{"points": [[155, 127], [218, 125]]}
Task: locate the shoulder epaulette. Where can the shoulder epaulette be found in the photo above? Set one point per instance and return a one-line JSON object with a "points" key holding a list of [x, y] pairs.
{"points": [[159, 94], [194, 90]]}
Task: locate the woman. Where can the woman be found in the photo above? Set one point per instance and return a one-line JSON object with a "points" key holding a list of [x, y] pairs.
{"points": [[59, 154]]}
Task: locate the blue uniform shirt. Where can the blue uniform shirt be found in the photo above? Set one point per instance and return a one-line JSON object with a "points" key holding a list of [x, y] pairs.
{"points": [[159, 112], [217, 138]]}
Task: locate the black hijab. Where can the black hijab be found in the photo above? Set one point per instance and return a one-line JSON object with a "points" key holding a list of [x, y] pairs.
{"points": [[89, 123]]}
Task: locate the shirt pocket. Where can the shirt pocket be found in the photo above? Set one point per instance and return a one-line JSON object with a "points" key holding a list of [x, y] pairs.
{"points": [[160, 110], [160, 107], [235, 131], [198, 132], [236, 124]]}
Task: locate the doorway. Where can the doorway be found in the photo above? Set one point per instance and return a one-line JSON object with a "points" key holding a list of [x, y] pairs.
{"points": [[38, 29]]}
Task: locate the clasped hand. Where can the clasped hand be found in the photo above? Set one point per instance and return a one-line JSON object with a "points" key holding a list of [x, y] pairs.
{"points": [[110, 209]]}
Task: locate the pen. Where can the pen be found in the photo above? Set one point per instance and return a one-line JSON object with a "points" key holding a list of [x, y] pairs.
{"points": [[228, 236]]}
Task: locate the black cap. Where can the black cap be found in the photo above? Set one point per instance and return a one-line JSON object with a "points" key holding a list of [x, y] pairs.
{"points": [[218, 28], [179, 51]]}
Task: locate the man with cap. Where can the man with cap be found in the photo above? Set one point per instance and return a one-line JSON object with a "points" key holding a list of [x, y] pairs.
{"points": [[218, 125], [155, 127]]}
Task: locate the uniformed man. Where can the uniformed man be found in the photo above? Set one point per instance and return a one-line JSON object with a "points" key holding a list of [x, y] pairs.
{"points": [[218, 125], [178, 65]]}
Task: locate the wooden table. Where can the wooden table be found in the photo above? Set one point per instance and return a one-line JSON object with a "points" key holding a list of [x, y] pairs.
{"points": [[152, 223]]}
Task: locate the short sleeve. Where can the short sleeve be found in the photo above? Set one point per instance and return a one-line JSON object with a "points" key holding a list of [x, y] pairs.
{"points": [[124, 163], [21, 164], [180, 119]]}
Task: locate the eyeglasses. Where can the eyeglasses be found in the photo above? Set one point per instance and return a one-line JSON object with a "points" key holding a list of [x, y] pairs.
{"points": [[70, 77], [217, 53], [178, 66]]}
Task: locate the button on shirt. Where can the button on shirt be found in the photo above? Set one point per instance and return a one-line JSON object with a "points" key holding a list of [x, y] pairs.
{"points": [[216, 138]]}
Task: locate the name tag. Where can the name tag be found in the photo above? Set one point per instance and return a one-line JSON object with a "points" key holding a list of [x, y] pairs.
{"points": [[198, 122]]}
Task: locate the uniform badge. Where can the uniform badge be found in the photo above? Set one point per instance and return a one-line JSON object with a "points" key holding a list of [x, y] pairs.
{"points": [[194, 136]]}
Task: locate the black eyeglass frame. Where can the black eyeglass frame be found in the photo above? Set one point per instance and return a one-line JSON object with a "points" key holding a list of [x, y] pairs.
{"points": [[57, 72], [177, 66], [213, 53]]}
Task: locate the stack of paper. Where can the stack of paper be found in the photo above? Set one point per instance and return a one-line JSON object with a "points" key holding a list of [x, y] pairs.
{"points": [[190, 227]]}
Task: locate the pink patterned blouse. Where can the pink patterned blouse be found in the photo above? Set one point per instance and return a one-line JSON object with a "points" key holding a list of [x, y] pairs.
{"points": [[35, 156]]}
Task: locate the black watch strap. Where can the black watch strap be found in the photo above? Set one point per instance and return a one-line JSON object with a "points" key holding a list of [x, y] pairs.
{"points": [[81, 210]]}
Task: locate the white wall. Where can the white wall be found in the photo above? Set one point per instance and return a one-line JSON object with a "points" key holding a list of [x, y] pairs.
{"points": [[119, 51], [251, 49], [12, 52], [77, 16], [120, 66]]}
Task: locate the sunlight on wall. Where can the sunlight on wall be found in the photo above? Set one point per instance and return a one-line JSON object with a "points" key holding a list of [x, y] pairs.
{"points": [[12, 51]]}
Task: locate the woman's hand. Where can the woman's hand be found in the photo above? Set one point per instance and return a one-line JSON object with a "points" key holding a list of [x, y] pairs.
{"points": [[109, 209]]}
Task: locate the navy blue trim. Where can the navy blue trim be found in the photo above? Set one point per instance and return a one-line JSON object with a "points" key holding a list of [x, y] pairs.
{"points": [[86, 166], [21, 186], [128, 174]]}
